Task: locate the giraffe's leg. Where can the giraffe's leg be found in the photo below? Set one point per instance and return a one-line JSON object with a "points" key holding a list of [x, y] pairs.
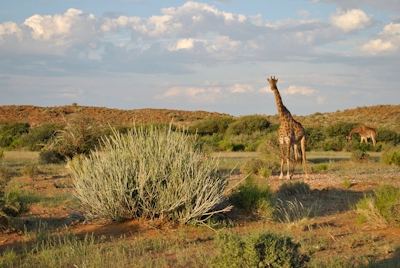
{"points": [[282, 161], [296, 157], [303, 153], [288, 160]]}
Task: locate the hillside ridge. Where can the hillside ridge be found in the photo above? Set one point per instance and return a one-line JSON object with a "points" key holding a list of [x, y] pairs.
{"points": [[376, 116]]}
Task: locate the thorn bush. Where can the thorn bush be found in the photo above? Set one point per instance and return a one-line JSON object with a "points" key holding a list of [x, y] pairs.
{"points": [[148, 173]]}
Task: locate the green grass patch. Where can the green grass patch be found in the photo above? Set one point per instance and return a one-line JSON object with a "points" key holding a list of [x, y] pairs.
{"points": [[381, 209]]}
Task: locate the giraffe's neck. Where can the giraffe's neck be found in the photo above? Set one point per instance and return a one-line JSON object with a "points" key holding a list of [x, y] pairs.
{"points": [[282, 110], [354, 131]]}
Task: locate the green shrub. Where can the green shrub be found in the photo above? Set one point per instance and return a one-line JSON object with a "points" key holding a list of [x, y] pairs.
{"points": [[381, 209], [30, 170], [247, 125], [209, 143], [155, 173], [10, 206], [79, 136], [12, 132], [388, 136], [246, 142], [225, 145], [263, 250], [251, 196], [293, 189], [340, 129], [359, 156], [5, 175], [392, 157], [321, 167], [50, 157], [38, 137], [315, 138], [252, 166], [217, 125]]}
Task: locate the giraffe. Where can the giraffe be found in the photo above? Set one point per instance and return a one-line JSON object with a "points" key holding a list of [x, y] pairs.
{"points": [[291, 133], [365, 133]]}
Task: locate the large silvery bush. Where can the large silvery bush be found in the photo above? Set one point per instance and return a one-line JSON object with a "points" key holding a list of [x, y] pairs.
{"points": [[148, 173]]}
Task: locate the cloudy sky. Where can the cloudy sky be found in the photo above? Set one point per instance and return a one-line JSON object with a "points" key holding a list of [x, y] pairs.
{"points": [[212, 55]]}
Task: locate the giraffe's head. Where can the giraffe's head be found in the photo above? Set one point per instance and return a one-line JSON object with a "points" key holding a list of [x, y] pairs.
{"points": [[272, 81]]}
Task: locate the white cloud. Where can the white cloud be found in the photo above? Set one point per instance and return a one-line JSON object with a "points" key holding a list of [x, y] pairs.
{"points": [[114, 24], [240, 88], [266, 90], [70, 93], [378, 46], [193, 94], [351, 20], [8, 28], [391, 29], [183, 44], [388, 41], [291, 90]]}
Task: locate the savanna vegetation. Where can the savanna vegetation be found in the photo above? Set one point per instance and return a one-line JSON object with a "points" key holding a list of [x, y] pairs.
{"points": [[194, 190]]}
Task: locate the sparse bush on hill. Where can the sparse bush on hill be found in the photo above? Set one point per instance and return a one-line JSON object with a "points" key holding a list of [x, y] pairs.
{"points": [[388, 136], [258, 250], [154, 173], [248, 125], [10, 133], [37, 137], [217, 125], [340, 129]]}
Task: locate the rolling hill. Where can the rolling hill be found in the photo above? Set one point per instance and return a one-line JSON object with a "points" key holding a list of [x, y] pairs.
{"points": [[387, 116]]}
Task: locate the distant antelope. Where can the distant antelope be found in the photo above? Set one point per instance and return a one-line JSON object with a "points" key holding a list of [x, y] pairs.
{"points": [[365, 133]]}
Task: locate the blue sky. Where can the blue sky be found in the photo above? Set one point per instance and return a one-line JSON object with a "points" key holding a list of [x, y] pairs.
{"points": [[200, 55]]}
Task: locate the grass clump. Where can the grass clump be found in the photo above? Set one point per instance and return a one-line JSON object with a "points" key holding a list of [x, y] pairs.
{"points": [[347, 183], [293, 189], [258, 250], [381, 209], [252, 197], [392, 157], [30, 170], [5, 175], [321, 167], [11, 206], [153, 173], [359, 156], [51, 157]]}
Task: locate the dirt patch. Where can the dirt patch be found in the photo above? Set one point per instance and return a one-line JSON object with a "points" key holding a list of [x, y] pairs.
{"points": [[332, 231]]}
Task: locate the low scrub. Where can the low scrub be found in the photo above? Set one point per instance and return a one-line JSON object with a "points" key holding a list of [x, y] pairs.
{"points": [[381, 209], [262, 250], [10, 206], [293, 189], [391, 157], [30, 170], [153, 173], [359, 156], [252, 197]]}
